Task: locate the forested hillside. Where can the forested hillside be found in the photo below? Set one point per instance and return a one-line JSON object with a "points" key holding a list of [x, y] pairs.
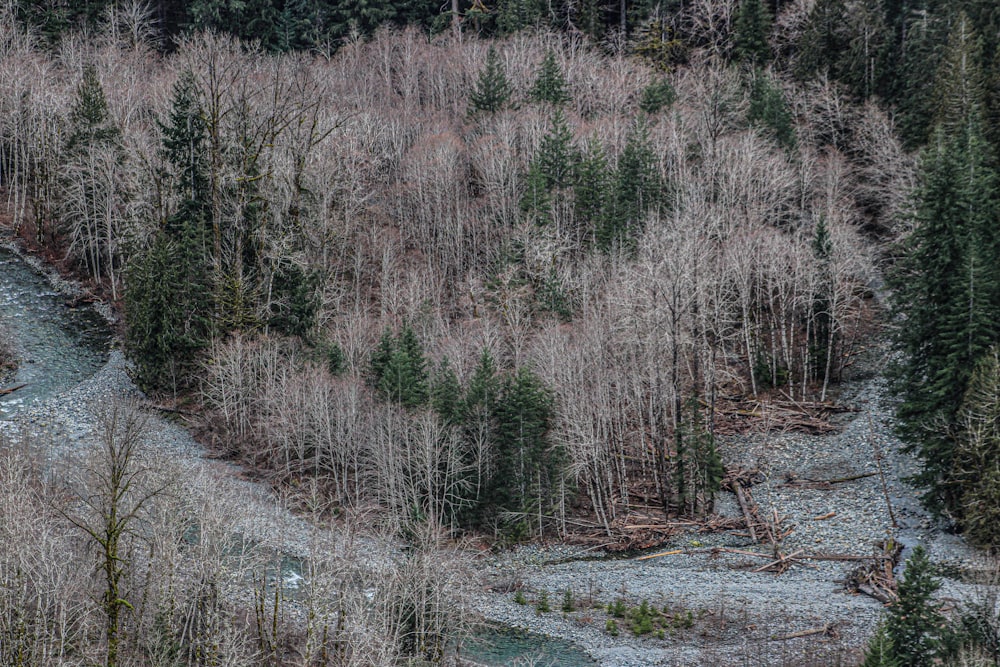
{"points": [[500, 269]]}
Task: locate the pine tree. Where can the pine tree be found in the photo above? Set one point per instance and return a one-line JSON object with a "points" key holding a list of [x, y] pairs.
{"points": [[552, 168], [635, 191], [879, 652], [168, 302], [492, 90], [90, 122], [446, 394], [975, 472], [913, 624], [549, 86], [657, 96], [753, 25], [529, 467], [399, 369], [592, 191], [769, 111], [947, 300]]}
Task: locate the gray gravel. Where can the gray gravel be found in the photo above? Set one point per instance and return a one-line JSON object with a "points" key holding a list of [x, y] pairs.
{"points": [[739, 612]]}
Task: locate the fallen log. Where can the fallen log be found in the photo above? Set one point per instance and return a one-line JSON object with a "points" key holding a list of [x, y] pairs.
{"points": [[746, 510], [827, 629], [780, 562], [824, 517], [11, 390], [672, 552]]}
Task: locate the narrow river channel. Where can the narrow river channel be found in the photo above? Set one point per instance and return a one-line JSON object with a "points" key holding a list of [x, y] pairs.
{"points": [[57, 346]]}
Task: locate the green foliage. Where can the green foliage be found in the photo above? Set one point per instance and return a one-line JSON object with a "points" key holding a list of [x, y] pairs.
{"points": [[295, 300], [516, 15], [593, 190], [769, 111], [947, 300], [399, 369], [617, 608], [567, 605], [549, 86], [168, 306], [658, 43], [552, 168], [446, 393], [879, 652], [658, 95], [635, 191], [611, 627], [183, 143], [698, 465], [90, 122], [642, 619], [492, 90], [975, 470], [519, 597], [542, 603], [529, 468], [913, 624], [753, 25]]}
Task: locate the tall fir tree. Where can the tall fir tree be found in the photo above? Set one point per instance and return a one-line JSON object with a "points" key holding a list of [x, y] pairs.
{"points": [[90, 122], [168, 295], [636, 190], [492, 90], [551, 169], [529, 468], [947, 299], [769, 111], [550, 85], [753, 27], [914, 624]]}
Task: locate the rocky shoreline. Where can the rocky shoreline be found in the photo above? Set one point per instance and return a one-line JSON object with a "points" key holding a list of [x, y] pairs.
{"points": [[738, 616], [745, 617]]}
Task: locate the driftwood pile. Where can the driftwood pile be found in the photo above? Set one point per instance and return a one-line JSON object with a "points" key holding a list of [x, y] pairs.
{"points": [[876, 579], [735, 416], [761, 526]]}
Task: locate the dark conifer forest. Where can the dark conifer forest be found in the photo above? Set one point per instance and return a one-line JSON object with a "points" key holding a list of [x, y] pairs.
{"points": [[501, 270]]}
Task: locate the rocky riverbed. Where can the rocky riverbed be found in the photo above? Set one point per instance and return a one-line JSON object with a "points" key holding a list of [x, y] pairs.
{"points": [[728, 613], [741, 617]]}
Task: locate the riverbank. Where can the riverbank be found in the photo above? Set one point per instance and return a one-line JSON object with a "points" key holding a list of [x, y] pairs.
{"points": [[724, 613], [804, 616]]}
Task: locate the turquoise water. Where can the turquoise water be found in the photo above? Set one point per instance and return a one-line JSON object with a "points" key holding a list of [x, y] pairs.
{"points": [[503, 647], [56, 346]]}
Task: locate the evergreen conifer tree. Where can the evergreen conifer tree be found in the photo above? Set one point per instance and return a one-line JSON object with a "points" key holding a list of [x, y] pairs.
{"points": [[446, 394], [399, 369], [753, 25], [769, 111], [529, 467], [168, 302], [635, 191], [90, 122], [551, 169], [947, 300], [913, 625], [549, 86], [593, 190], [492, 90]]}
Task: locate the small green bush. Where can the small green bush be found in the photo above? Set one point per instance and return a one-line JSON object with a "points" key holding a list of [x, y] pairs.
{"points": [[542, 603], [519, 597], [611, 627], [567, 605]]}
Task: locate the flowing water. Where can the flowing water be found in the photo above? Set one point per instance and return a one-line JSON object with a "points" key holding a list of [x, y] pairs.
{"points": [[56, 346]]}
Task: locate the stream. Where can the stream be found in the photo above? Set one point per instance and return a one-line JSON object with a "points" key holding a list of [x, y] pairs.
{"points": [[57, 346]]}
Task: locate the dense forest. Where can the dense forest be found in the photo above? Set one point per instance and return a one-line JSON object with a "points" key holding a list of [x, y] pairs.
{"points": [[493, 269]]}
